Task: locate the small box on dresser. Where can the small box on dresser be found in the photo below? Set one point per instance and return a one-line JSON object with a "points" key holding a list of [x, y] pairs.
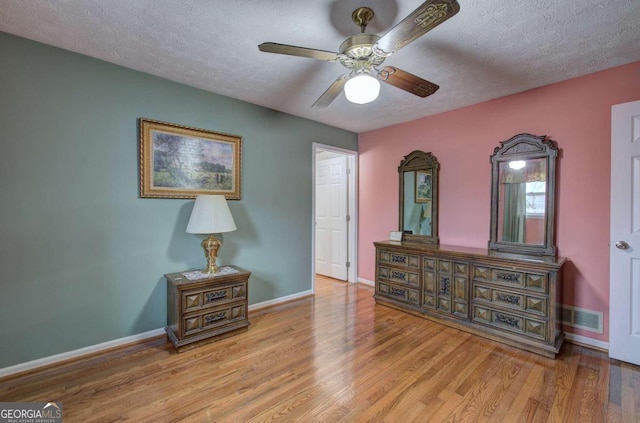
{"points": [[207, 308]]}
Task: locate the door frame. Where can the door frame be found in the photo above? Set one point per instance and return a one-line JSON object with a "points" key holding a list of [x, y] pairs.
{"points": [[352, 204]]}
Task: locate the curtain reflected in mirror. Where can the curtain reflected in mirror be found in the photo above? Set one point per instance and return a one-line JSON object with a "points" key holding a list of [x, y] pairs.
{"points": [[521, 211]]}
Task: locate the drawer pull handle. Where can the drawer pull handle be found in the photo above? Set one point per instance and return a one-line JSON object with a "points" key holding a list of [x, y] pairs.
{"points": [[215, 296], [398, 259], [398, 292], [445, 286], [401, 276], [509, 299], [507, 320], [508, 277], [215, 317]]}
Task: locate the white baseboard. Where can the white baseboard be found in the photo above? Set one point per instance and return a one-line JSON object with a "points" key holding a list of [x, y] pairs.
{"points": [[269, 303], [366, 282], [587, 341], [57, 358]]}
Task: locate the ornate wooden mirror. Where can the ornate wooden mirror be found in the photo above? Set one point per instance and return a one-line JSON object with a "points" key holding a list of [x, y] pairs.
{"points": [[523, 182], [419, 197]]}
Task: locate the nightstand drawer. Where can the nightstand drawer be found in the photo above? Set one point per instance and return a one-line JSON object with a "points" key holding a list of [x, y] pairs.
{"points": [[213, 319], [203, 298]]}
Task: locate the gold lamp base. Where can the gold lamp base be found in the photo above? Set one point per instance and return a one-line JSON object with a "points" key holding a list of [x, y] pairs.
{"points": [[211, 245]]}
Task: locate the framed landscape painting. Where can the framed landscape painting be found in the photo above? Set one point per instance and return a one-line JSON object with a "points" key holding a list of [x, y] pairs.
{"points": [[182, 162]]}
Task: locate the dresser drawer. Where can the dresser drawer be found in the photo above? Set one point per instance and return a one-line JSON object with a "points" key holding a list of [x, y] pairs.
{"points": [[215, 318], [197, 299], [516, 300], [511, 278], [399, 293], [532, 328], [403, 277], [396, 259]]}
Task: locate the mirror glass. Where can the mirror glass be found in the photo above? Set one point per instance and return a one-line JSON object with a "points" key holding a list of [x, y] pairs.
{"points": [[418, 197], [521, 201], [418, 202], [523, 191]]}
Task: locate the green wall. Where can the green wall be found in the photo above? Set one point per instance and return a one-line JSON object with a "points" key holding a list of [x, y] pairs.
{"points": [[82, 258]]}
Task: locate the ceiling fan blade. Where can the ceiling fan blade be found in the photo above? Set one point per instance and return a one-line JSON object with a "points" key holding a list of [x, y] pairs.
{"points": [[407, 81], [298, 51], [332, 92], [426, 17]]}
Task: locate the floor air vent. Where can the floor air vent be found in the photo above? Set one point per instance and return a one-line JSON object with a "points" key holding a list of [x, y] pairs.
{"points": [[582, 318]]}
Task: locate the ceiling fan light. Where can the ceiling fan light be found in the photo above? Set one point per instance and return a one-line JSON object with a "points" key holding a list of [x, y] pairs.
{"points": [[517, 164], [362, 89]]}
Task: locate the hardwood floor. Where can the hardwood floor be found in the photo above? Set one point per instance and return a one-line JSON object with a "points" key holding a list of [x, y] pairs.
{"points": [[337, 357]]}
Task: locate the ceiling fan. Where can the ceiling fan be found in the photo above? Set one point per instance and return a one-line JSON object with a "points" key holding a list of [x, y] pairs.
{"points": [[363, 53]]}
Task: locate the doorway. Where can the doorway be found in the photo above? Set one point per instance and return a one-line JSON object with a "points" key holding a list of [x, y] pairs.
{"points": [[334, 232]]}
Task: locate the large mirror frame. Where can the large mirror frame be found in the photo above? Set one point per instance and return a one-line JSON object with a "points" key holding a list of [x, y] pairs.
{"points": [[537, 158], [418, 200]]}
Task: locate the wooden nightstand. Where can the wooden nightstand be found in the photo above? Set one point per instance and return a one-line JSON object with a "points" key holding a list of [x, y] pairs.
{"points": [[202, 308]]}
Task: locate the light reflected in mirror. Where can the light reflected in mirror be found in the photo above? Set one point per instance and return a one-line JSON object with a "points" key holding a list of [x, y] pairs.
{"points": [[521, 201], [418, 202]]}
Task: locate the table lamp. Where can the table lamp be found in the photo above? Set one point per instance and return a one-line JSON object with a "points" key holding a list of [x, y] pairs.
{"points": [[210, 215]]}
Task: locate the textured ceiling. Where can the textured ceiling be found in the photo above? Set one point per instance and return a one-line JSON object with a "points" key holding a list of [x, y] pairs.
{"points": [[491, 48]]}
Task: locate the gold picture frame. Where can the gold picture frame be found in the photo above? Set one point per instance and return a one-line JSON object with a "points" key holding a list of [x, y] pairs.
{"points": [[179, 161]]}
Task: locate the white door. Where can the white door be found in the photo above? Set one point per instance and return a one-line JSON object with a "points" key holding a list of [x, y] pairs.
{"points": [[331, 217], [624, 281]]}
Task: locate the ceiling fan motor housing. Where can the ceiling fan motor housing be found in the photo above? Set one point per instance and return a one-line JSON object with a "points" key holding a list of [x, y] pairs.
{"points": [[359, 48]]}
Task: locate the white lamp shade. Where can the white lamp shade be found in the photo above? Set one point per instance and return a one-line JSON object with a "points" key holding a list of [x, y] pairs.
{"points": [[210, 215], [362, 88]]}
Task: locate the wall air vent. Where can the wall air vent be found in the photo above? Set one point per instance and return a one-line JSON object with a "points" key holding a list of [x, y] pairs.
{"points": [[582, 318]]}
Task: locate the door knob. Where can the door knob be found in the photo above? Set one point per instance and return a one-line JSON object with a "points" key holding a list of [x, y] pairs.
{"points": [[621, 245]]}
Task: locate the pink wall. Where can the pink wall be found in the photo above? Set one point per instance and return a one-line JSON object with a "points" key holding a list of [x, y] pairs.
{"points": [[575, 113]]}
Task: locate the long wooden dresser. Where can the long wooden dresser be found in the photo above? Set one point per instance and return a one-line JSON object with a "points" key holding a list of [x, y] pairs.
{"points": [[510, 298]]}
